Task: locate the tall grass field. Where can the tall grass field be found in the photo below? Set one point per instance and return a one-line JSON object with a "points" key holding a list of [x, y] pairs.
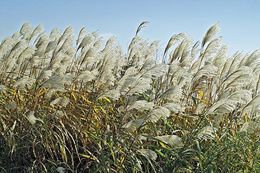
{"points": [[81, 104]]}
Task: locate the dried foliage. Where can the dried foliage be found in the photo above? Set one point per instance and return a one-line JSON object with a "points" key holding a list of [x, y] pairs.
{"points": [[86, 106]]}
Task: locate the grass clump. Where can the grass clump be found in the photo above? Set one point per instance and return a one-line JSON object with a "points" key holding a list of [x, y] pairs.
{"points": [[89, 107]]}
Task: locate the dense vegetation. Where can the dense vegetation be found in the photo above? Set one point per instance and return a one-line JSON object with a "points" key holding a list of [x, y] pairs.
{"points": [[84, 105]]}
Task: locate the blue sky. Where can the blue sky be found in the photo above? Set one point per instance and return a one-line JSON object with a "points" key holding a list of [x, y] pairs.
{"points": [[239, 19]]}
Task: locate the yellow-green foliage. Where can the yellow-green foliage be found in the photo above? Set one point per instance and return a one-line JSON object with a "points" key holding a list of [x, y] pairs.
{"points": [[84, 105]]}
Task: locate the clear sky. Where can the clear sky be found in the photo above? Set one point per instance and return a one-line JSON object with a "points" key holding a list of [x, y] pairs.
{"points": [[239, 19]]}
